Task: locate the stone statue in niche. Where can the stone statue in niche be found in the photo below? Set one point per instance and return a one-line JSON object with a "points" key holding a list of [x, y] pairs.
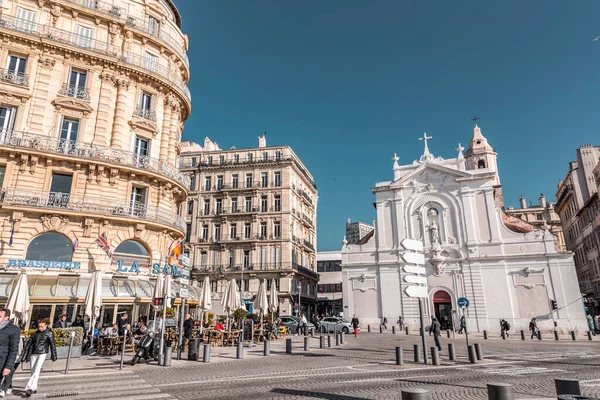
{"points": [[435, 234]]}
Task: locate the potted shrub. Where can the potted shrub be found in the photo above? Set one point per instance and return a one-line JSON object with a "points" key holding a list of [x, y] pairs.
{"points": [[62, 338]]}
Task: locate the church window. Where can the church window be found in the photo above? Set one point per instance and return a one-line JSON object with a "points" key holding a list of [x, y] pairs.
{"points": [[481, 164]]}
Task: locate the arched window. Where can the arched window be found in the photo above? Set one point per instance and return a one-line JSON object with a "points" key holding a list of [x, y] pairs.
{"points": [[130, 251], [481, 164], [51, 246]]}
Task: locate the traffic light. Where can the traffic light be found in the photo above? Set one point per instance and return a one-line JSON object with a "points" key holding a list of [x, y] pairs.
{"points": [[554, 306], [158, 301]]}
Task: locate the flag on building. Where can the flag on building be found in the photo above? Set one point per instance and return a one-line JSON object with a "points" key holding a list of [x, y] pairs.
{"points": [[12, 234], [176, 252], [104, 244], [75, 242]]}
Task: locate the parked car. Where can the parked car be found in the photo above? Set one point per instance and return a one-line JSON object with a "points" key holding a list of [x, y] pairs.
{"points": [[334, 324], [291, 323]]}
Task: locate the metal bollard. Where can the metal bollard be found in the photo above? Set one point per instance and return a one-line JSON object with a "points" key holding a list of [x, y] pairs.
{"points": [[306, 343], [322, 342], [589, 333], [540, 335], [399, 356], [393, 330], [206, 354], [239, 353], [417, 350], [435, 356], [380, 329], [472, 355], [567, 386], [522, 335], [485, 334], [555, 334], [451, 352], [288, 346], [448, 333], [337, 339], [168, 356], [369, 328], [71, 349], [122, 349], [478, 352], [406, 329], [312, 332], [500, 391], [267, 348], [504, 335], [414, 394], [573, 337], [328, 340], [342, 338]]}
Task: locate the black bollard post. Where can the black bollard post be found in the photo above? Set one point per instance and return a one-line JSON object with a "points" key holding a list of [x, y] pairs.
{"points": [[369, 328], [71, 349], [288, 346], [555, 334], [503, 335], [306, 343], [485, 334], [393, 330], [573, 335], [267, 348], [451, 352], [567, 386], [448, 333], [522, 334], [322, 342], [342, 338], [337, 339], [406, 329], [500, 391], [589, 333], [472, 355], [540, 335], [380, 329], [206, 354], [240, 350], [415, 394], [328, 340], [399, 356], [478, 352], [435, 356], [417, 350]]}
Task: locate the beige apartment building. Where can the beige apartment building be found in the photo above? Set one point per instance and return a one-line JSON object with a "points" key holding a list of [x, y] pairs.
{"points": [[93, 96], [252, 214]]}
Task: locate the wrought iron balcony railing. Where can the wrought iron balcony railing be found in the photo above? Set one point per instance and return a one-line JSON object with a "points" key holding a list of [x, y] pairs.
{"points": [[145, 113], [78, 92], [70, 38], [14, 77], [162, 33], [86, 150], [92, 205]]}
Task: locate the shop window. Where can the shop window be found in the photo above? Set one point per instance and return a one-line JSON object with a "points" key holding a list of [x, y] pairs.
{"points": [[126, 288], [130, 251], [51, 246], [67, 287], [45, 287]]}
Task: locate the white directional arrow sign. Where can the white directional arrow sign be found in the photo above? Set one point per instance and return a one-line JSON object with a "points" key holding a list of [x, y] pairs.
{"points": [[416, 279], [413, 258], [416, 291], [411, 269], [411, 244]]}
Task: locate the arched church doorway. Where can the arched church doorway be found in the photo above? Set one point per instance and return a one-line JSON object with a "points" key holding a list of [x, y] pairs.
{"points": [[442, 306]]}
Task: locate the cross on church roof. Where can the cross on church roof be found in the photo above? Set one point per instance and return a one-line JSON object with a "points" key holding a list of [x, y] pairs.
{"points": [[475, 118], [425, 138]]}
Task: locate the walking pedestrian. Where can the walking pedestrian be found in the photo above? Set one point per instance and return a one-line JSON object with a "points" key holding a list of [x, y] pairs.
{"points": [[385, 323], [535, 331], [590, 322], [9, 348], [505, 327], [463, 325], [436, 329], [401, 322], [35, 352], [355, 324], [304, 324]]}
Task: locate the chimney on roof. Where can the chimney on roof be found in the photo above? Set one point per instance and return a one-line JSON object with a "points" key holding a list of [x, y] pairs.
{"points": [[523, 202], [262, 140], [542, 200]]}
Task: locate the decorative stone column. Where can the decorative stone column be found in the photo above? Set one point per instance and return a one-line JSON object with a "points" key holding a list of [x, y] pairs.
{"points": [[166, 129], [174, 134], [101, 130], [120, 125], [43, 94]]}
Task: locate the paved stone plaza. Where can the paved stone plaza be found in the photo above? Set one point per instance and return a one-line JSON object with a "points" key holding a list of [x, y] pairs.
{"points": [[363, 368]]}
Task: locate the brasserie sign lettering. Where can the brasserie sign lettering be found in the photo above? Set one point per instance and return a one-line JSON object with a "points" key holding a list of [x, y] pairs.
{"points": [[43, 264], [156, 268]]}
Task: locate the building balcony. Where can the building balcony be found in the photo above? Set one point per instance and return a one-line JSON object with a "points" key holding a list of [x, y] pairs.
{"points": [[142, 25], [14, 77], [245, 161], [307, 220], [236, 238], [103, 206], [95, 46], [74, 91], [88, 151], [145, 114], [309, 245], [281, 269], [306, 197]]}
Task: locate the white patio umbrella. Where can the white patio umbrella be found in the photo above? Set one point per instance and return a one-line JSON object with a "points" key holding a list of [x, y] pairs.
{"points": [[261, 304], [18, 301], [231, 299], [158, 292], [205, 300], [93, 301], [273, 300]]}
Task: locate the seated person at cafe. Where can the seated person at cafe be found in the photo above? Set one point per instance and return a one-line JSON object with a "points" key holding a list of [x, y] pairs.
{"points": [[78, 322], [111, 332], [139, 332], [220, 327], [235, 325]]}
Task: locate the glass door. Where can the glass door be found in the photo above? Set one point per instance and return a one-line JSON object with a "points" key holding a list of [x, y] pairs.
{"points": [[138, 202], [16, 69], [7, 119], [25, 20], [77, 83], [68, 135], [60, 190], [141, 152]]}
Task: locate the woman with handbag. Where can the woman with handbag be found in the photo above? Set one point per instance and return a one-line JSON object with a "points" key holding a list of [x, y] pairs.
{"points": [[35, 352]]}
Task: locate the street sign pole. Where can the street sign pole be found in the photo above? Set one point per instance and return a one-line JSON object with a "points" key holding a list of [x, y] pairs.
{"points": [[463, 303], [466, 326], [423, 338]]}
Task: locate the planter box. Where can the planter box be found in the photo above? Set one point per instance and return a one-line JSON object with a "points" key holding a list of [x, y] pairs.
{"points": [[62, 352]]}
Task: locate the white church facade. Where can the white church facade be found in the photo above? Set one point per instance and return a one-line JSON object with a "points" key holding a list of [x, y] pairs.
{"points": [[506, 268]]}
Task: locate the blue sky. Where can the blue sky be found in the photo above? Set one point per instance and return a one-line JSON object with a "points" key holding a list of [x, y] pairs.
{"points": [[348, 83]]}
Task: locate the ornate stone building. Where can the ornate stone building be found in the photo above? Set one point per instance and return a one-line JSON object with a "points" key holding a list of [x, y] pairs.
{"points": [[252, 214], [507, 268], [93, 96]]}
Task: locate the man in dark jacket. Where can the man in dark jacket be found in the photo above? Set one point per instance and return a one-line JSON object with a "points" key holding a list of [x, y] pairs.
{"points": [[78, 322], [35, 352], [121, 323], [9, 348], [61, 322], [436, 329], [188, 326]]}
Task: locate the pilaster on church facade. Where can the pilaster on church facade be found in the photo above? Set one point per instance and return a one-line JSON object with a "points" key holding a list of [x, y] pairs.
{"points": [[508, 270]]}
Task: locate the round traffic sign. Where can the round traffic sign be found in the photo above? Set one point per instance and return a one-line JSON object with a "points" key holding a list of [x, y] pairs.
{"points": [[463, 302]]}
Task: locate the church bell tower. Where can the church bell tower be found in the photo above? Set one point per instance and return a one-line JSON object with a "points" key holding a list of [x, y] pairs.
{"points": [[480, 155]]}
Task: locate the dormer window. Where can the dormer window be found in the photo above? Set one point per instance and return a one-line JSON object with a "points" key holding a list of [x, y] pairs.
{"points": [[481, 164]]}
